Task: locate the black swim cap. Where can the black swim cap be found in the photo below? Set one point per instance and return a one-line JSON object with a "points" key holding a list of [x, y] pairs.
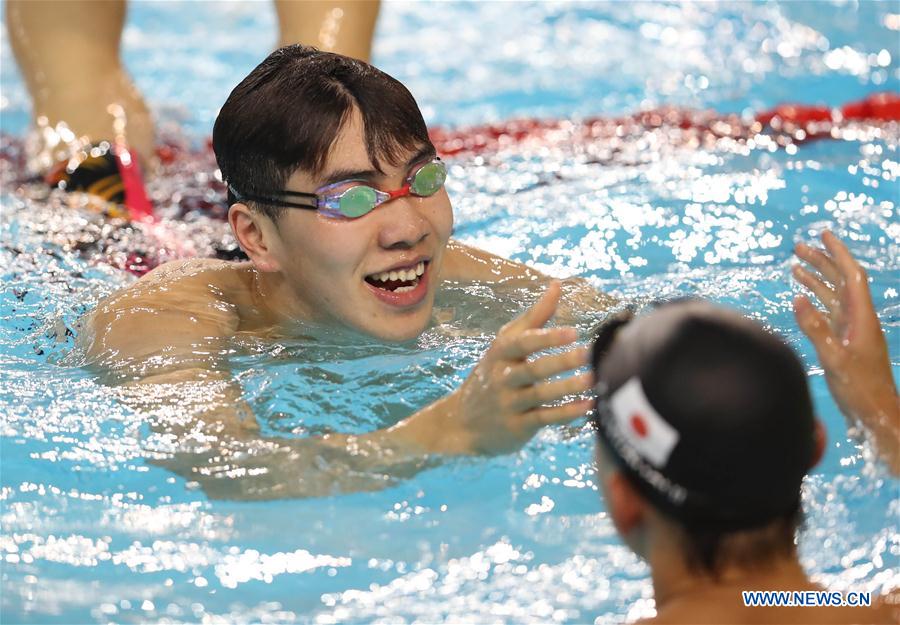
{"points": [[707, 413]]}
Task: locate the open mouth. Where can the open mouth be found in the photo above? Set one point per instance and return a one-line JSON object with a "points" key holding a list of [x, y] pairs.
{"points": [[398, 280]]}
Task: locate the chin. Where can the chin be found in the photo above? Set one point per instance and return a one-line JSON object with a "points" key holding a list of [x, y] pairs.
{"points": [[400, 335], [399, 330]]}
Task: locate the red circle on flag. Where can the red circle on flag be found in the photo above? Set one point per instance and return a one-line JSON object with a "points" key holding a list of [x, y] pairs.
{"points": [[638, 425]]}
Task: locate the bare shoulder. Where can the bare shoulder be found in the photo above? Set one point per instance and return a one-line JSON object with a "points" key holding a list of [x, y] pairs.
{"points": [[190, 268], [464, 263], [887, 607], [173, 307], [181, 285]]}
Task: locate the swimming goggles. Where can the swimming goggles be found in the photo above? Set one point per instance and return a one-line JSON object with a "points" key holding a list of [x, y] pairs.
{"points": [[353, 198]]}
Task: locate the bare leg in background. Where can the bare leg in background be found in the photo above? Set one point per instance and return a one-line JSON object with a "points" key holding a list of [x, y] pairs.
{"points": [[342, 26], [68, 53]]}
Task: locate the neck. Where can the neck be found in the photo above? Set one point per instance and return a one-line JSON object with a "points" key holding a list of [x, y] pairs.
{"points": [[274, 306], [675, 582]]}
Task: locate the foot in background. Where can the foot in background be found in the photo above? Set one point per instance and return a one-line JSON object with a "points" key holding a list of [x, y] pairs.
{"points": [[83, 99], [109, 173]]}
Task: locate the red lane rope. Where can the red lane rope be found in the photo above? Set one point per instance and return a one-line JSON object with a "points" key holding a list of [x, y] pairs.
{"points": [[816, 122], [813, 121], [883, 107], [787, 123], [794, 123]]}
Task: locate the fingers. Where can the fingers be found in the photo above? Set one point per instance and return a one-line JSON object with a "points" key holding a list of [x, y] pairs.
{"points": [[559, 414], [821, 290], [841, 256], [546, 367], [815, 326], [848, 278], [820, 261], [548, 392], [512, 346], [855, 279], [540, 312]]}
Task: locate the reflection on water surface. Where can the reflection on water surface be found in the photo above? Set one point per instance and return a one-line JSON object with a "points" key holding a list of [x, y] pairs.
{"points": [[94, 529]]}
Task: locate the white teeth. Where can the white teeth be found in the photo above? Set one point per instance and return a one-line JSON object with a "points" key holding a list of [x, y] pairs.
{"points": [[404, 289], [406, 275]]}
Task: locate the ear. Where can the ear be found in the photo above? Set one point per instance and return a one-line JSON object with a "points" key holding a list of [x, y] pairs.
{"points": [[820, 438], [626, 506], [256, 234]]}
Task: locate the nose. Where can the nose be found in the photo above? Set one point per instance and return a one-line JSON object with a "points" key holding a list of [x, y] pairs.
{"points": [[403, 224]]}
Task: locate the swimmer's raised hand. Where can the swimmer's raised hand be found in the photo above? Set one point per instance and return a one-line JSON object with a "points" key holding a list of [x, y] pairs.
{"points": [[849, 341], [506, 399], [508, 396]]}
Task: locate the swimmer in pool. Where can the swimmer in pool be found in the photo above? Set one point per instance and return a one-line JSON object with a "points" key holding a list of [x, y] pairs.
{"points": [[706, 429], [68, 52], [337, 197]]}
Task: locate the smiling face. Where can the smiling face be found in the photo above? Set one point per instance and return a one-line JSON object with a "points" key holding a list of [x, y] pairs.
{"points": [[376, 274]]}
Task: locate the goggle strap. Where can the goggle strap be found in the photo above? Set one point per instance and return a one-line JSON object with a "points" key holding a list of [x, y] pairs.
{"points": [[383, 196], [241, 197], [275, 202], [299, 194]]}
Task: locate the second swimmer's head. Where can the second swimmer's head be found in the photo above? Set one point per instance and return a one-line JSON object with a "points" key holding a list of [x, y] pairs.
{"points": [[706, 429]]}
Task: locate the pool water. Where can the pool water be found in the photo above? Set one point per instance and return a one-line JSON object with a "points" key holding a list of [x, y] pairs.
{"points": [[96, 526]]}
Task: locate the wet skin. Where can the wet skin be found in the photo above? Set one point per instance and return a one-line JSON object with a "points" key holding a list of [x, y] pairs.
{"points": [[167, 328], [305, 268], [314, 267], [851, 346]]}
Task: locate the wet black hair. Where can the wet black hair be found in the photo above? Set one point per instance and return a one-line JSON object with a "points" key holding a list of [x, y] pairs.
{"points": [[738, 398], [287, 112]]}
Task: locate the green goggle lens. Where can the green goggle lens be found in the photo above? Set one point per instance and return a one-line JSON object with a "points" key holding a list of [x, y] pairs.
{"points": [[358, 201], [361, 199], [429, 179]]}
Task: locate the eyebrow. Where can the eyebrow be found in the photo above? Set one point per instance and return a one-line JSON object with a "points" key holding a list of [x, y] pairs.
{"points": [[425, 152]]}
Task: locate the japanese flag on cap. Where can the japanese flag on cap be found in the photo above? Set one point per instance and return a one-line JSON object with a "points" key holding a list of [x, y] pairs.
{"points": [[650, 435]]}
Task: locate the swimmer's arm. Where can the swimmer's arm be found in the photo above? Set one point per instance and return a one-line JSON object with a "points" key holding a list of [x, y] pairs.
{"points": [[167, 362], [163, 365], [507, 398], [195, 399], [133, 351], [219, 447], [850, 343]]}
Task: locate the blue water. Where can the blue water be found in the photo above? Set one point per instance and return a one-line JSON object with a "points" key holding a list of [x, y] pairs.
{"points": [[94, 530]]}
